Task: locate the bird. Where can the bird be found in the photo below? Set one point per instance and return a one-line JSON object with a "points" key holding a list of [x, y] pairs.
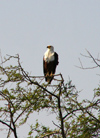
{"points": [[50, 62]]}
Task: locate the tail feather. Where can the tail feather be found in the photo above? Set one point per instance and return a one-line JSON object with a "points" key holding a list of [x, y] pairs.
{"points": [[49, 78]]}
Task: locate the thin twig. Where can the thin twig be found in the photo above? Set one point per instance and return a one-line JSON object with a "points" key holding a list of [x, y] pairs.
{"points": [[56, 125]]}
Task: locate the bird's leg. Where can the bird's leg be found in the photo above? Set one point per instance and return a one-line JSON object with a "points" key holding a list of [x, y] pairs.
{"points": [[51, 74], [47, 74]]}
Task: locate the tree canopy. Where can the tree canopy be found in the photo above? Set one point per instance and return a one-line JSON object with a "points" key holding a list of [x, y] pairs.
{"points": [[22, 94]]}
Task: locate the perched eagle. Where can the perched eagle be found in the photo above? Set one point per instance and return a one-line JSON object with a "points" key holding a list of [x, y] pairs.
{"points": [[50, 62]]}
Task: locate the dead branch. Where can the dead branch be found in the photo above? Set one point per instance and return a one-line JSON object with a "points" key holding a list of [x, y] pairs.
{"points": [[91, 57]]}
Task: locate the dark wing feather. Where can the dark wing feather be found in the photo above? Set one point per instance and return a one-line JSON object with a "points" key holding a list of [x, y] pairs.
{"points": [[56, 62], [56, 59]]}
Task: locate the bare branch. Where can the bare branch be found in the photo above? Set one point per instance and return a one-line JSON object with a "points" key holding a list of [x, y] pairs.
{"points": [[6, 125], [91, 57], [56, 125]]}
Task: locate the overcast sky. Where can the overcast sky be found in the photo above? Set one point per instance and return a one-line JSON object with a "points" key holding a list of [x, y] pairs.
{"points": [[71, 26]]}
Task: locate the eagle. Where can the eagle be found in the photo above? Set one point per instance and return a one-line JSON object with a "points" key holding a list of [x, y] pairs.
{"points": [[50, 62]]}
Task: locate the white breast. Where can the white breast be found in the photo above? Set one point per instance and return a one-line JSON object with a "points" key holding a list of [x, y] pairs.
{"points": [[49, 56]]}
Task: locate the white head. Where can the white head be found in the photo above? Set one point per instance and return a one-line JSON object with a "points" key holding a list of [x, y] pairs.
{"points": [[49, 54], [51, 48]]}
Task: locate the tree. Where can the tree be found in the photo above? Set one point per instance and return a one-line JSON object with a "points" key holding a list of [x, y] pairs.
{"points": [[21, 94]]}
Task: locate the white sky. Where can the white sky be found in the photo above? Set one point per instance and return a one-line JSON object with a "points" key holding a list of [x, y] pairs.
{"points": [[71, 26]]}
